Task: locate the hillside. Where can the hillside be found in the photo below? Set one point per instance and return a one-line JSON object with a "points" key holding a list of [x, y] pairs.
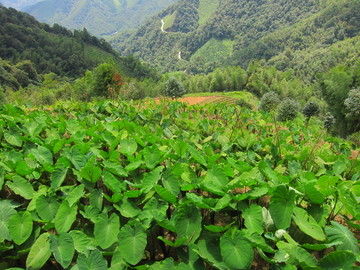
{"points": [[98, 17], [210, 34]]}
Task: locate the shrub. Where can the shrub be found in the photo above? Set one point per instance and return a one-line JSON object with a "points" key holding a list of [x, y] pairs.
{"points": [[269, 101], [311, 108], [329, 121], [2, 96], [174, 88], [132, 90], [288, 110]]}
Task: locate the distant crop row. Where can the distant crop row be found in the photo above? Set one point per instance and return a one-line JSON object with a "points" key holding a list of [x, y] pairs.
{"points": [[111, 185]]}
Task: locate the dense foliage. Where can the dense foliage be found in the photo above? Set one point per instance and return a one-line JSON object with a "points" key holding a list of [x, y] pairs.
{"points": [[115, 15], [291, 34], [170, 186]]}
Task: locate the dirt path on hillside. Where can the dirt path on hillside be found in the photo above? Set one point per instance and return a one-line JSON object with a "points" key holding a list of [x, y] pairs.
{"points": [[193, 100]]}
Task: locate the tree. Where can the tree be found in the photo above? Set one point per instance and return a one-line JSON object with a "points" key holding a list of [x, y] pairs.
{"points": [[106, 81], [329, 121], [288, 110], [269, 101], [311, 108], [174, 88], [352, 106]]}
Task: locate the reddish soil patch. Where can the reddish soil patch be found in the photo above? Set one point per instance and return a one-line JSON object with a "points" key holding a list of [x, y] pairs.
{"points": [[194, 100]]}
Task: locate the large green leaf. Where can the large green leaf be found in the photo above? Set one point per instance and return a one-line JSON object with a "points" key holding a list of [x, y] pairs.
{"points": [[94, 261], [339, 233], [25, 167], [281, 206], [308, 224], [65, 217], [113, 183], [43, 155], [2, 173], [47, 207], [152, 156], [57, 177], [128, 208], [132, 243], [151, 179], [128, 147], [39, 253], [21, 187], [236, 251], [6, 212], [326, 184], [62, 247], [254, 219], [13, 137], [297, 255], [20, 227], [187, 220], [197, 156], [115, 168], [75, 195], [338, 260], [106, 230], [209, 250], [82, 242], [165, 194], [215, 181]]}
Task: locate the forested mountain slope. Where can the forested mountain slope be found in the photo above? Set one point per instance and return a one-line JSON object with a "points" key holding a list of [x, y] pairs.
{"points": [[98, 17], [28, 48], [213, 33]]}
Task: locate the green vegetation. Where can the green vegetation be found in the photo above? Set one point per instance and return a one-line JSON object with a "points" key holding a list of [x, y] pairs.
{"points": [[115, 15], [169, 21], [214, 51], [206, 9], [121, 185]]}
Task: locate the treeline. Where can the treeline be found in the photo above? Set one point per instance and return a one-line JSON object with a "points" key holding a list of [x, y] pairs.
{"points": [[51, 49]]}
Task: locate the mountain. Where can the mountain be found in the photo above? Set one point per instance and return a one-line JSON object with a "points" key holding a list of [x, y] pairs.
{"points": [[34, 47], [201, 35], [19, 4], [98, 17]]}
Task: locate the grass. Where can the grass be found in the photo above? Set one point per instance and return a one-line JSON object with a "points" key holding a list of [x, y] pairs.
{"points": [[169, 21], [214, 50], [206, 9]]}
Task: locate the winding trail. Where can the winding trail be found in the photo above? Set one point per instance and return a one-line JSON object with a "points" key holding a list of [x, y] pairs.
{"points": [[162, 30]]}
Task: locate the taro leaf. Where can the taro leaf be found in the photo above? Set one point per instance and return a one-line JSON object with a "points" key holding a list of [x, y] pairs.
{"points": [[128, 147], [254, 219], [117, 260], [134, 165], [178, 242], [20, 227], [82, 242], [75, 195], [113, 183], [165, 194], [13, 137], [326, 184], [23, 168], [65, 217], [94, 261], [21, 187], [6, 212], [269, 173], [57, 177], [222, 203], [90, 212], [197, 156], [91, 173], [297, 254], [187, 220], [217, 229], [197, 200], [128, 208], [39, 253], [236, 251], [115, 168], [313, 194], [215, 181], [281, 206], [43, 155], [132, 243], [152, 156], [338, 260], [308, 224], [97, 198], [76, 157], [1, 177], [47, 207], [348, 199], [62, 247], [106, 230], [150, 179], [339, 233]]}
